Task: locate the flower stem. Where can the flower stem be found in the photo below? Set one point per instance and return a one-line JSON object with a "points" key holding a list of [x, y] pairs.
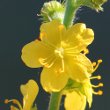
{"points": [[55, 100], [71, 8]]}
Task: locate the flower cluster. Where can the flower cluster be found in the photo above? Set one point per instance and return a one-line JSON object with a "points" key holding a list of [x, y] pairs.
{"points": [[61, 51]]}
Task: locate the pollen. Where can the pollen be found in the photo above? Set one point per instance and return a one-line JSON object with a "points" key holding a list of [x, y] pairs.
{"points": [[100, 61], [100, 92], [6, 101]]}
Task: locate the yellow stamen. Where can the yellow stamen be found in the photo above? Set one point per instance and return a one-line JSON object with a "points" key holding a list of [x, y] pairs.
{"points": [[47, 62], [86, 51], [13, 101], [97, 65], [96, 77], [94, 63], [100, 61], [98, 93], [6, 101], [12, 107], [99, 85]]}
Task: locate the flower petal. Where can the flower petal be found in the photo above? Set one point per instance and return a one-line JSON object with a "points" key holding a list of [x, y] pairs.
{"points": [[77, 68], [78, 72], [88, 91], [52, 81], [76, 28], [88, 36], [79, 37], [32, 51], [75, 101], [74, 39], [53, 32], [82, 59], [29, 91]]}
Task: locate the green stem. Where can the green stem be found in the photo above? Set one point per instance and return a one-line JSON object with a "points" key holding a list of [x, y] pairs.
{"points": [[55, 100], [71, 8]]}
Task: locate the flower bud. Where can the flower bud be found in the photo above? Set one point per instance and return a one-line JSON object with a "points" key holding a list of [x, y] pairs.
{"points": [[95, 4], [52, 10]]}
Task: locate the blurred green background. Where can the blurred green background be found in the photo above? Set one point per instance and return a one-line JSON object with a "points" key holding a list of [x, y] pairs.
{"points": [[19, 24]]}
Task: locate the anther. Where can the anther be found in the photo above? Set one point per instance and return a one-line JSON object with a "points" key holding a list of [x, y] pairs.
{"points": [[100, 92], [99, 77], [14, 101], [86, 51], [94, 63], [100, 61], [12, 107], [6, 101], [101, 85]]}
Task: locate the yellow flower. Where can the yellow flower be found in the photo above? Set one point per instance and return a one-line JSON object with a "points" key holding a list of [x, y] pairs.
{"points": [[75, 101], [29, 92], [59, 51], [76, 98]]}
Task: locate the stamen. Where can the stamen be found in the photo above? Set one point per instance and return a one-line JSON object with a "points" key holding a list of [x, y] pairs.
{"points": [[98, 93], [100, 61], [12, 107], [97, 65], [6, 101], [48, 62], [86, 51], [62, 70], [99, 85], [96, 77], [94, 63], [14, 101]]}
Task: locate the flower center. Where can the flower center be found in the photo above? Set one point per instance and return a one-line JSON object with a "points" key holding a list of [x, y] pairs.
{"points": [[59, 52]]}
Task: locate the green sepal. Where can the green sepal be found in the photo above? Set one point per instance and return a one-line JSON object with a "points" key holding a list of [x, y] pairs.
{"points": [[52, 10]]}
